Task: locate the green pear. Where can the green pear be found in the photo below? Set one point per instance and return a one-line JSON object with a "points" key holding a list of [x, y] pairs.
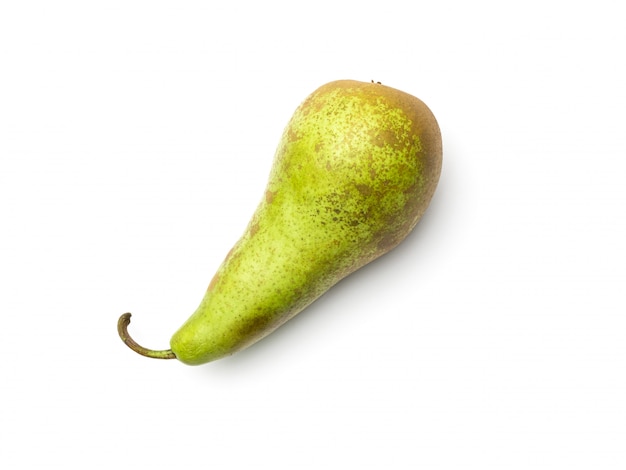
{"points": [[355, 169]]}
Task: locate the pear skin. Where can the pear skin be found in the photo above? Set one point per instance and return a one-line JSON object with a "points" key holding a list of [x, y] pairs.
{"points": [[354, 171]]}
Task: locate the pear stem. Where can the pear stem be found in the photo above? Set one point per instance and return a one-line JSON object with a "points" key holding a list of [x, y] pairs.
{"points": [[122, 329]]}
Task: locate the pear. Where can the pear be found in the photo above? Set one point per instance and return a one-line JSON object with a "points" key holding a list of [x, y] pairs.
{"points": [[355, 169]]}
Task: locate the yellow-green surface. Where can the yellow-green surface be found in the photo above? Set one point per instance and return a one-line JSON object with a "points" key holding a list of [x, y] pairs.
{"points": [[354, 171]]}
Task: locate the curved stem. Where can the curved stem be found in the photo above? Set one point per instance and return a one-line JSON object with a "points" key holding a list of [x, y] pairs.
{"points": [[122, 329]]}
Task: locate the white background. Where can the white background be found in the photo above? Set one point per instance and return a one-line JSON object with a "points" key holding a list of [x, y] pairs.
{"points": [[135, 142]]}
